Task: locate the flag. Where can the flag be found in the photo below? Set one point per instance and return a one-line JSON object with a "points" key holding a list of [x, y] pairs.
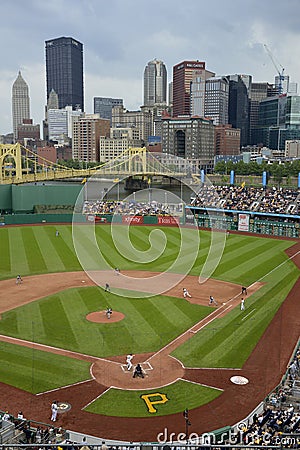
{"points": [[243, 184], [83, 181]]}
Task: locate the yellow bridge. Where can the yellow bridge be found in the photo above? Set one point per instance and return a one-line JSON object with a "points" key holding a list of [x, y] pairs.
{"points": [[21, 165]]}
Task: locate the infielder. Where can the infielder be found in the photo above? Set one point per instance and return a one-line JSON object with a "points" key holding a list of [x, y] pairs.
{"points": [[186, 293], [212, 300]]}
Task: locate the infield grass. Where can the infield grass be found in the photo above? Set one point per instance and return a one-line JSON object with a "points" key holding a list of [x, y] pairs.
{"points": [[180, 395], [60, 321], [228, 342]]}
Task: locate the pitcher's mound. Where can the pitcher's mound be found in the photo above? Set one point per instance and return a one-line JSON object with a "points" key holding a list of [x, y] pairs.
{"points": [[100, 317]]}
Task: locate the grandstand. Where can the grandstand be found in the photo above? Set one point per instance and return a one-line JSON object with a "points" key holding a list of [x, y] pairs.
{"points": [[268, 211], [251, 199]]}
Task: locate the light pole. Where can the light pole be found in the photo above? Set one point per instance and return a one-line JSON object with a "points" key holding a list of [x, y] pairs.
{"points": [[149, 186], [116, 180]]}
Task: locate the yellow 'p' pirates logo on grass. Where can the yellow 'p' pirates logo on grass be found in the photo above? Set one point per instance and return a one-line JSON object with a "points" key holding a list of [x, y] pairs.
{"points": [[154, 399]]}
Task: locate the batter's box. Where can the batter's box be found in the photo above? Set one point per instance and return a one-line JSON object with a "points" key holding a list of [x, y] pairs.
{"points": [[146, 366]]}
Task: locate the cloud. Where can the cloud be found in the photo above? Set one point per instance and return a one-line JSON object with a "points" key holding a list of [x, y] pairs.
{"points": [[121, 36], [129, 90]]}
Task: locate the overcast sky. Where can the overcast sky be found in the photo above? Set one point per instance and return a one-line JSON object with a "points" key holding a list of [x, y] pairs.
{"points": [[121, 36]]}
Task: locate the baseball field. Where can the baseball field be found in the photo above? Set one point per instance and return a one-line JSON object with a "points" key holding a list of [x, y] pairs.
{"points": [[56, 342]]}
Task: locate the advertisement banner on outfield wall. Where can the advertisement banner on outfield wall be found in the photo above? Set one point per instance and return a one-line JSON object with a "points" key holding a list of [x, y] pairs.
{"points": [[133, 220], [243, 224], [167, 220]]}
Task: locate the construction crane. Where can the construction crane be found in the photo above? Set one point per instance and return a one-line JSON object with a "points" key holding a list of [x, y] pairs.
{"points": [[280, 72]]}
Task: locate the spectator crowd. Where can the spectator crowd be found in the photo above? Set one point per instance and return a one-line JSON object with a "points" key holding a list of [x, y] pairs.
{"points": [[279, 424], [132, 208], [269, 200], [240, 198]]}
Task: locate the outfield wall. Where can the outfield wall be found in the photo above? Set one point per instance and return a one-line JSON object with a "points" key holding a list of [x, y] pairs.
{"points": [[23, 198], [256, 226], [5, 197], [25, 219]]}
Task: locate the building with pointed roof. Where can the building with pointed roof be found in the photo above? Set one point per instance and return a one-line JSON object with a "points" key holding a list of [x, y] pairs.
{"points": [[20, 103]]}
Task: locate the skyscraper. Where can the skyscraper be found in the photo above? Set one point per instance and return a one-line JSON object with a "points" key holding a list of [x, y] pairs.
{"points": [[64, 71], [104, 105], [20, 103], [155, 83], [216, 100], [238, 107], [258, 92], [183, 75]]}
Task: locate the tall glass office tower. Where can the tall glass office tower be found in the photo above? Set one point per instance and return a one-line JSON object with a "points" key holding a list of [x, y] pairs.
{"points": [[155, 83], [64, 71]]}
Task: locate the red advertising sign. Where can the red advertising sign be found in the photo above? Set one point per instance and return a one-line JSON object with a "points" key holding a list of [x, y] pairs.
{"points": [[167, 220], [133, 220], [100, 219]]}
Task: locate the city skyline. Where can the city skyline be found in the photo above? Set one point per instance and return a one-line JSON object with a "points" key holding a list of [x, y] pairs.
{"points": [[118, 44]]}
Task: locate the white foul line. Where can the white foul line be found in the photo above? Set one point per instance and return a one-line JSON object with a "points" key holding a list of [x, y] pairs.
{"points": [[249, 314]]}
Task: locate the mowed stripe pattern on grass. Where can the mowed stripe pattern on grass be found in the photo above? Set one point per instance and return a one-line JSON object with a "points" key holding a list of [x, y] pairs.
{"points": [[33, 250], [60, 321], [228, 341], [37, 371]]}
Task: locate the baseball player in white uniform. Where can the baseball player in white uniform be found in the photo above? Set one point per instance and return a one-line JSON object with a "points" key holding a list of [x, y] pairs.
{"points": [[129, 361], [186, 293]]}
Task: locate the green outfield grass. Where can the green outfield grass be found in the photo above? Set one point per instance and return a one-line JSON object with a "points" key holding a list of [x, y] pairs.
{"points": [[180, 395], [149, 323], [33, 250]]}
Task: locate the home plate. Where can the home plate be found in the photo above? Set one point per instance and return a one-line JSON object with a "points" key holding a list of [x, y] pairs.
{"points": [[83, 281], [223, 303]]}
